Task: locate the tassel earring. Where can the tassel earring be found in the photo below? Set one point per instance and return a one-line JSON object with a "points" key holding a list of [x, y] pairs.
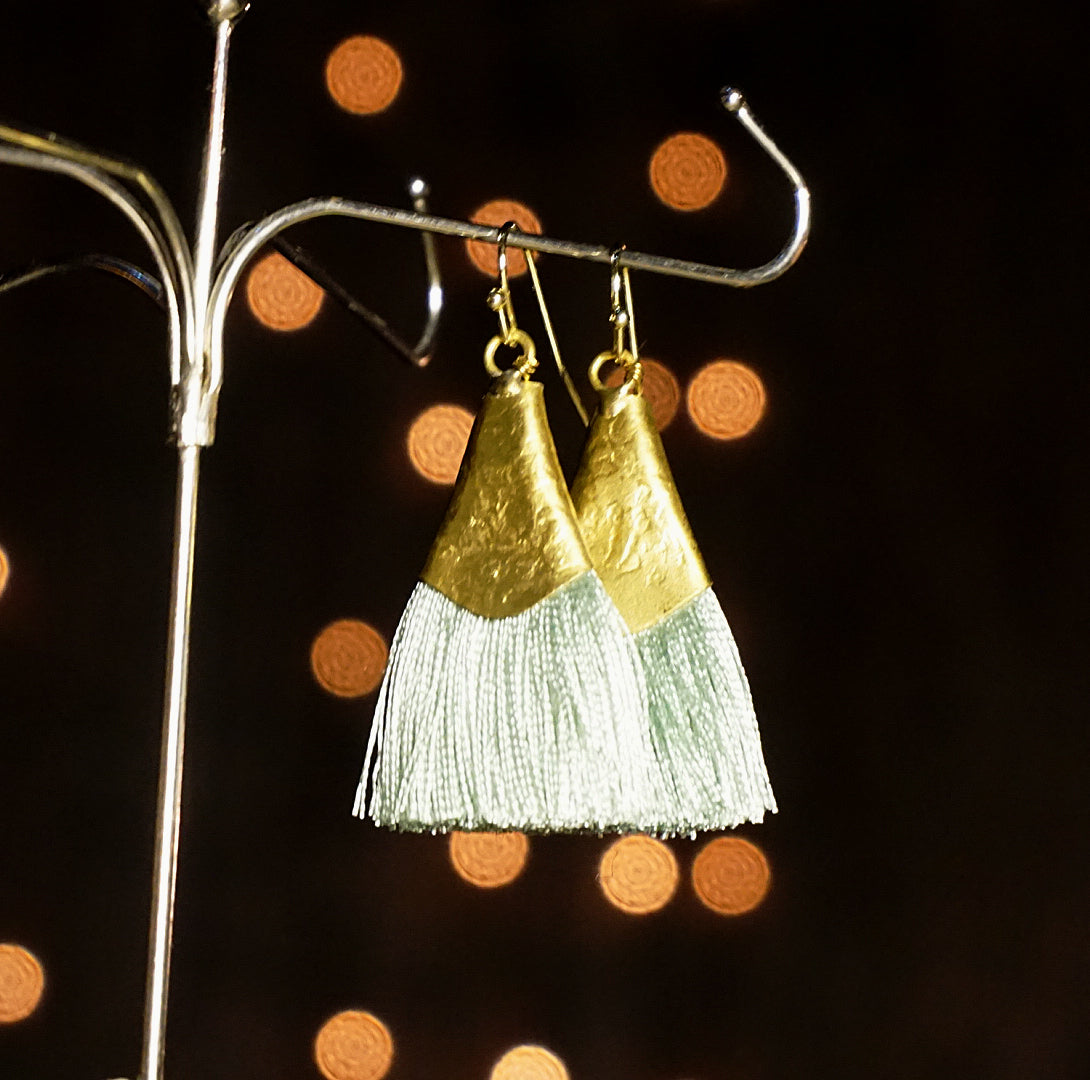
{"points": [[513, 697], [703, 727]]}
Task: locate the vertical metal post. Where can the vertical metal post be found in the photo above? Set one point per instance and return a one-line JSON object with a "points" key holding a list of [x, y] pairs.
{"points": [[204, 250], [170, 768], [194, 431]]}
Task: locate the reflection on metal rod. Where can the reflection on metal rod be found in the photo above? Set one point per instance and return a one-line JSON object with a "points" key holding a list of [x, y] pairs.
{"points": [[150, 286]]}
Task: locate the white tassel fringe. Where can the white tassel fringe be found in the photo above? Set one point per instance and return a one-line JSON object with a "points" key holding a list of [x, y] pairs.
{"points": [[703, 726], [537, 721]]}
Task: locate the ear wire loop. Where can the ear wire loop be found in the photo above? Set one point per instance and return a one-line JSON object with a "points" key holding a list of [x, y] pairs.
{"points": [[568, 383], [499, 301]]}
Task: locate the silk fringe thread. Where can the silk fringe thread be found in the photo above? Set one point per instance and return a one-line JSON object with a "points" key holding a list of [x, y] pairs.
{"points": [[703, 726], [536, 721]]}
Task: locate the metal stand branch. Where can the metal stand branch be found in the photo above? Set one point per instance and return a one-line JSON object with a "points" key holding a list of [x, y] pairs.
{"points": [[196, 298]]}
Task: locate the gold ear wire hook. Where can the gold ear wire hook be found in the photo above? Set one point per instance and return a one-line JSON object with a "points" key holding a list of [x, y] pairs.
{"points": [[618, 316], [622, 317], [499, 299], [622, 311], [569, 385]]}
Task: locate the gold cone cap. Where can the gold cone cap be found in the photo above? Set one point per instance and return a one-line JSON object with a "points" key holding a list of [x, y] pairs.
{"points": [[510, 537], [630, 515]]}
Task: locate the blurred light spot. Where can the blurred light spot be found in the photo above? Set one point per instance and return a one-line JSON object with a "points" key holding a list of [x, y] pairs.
{"points": [[639, 874], [5, 570], [488, 860], [660, 388], [21, 983], [354, 1046], [498, 212], [731, 876], [281, 296], [529, 1063], [348, 658], [437, 442], [726, 399], [688, 171], [363, 74]]}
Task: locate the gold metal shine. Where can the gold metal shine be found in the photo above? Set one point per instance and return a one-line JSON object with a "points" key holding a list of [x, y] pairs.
{"points": [[630, 515], [514, 338], [510, 537], [626, 362]]}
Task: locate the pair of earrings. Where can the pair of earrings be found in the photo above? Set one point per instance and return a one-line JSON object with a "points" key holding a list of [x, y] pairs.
{"points": [[563, 663]]}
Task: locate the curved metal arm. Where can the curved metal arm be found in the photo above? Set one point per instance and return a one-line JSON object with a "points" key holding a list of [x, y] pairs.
{"points": [[734, 102], [417, 355], [419, 191], [150, 286], [173, 236], [242, 249], [136, 213]]}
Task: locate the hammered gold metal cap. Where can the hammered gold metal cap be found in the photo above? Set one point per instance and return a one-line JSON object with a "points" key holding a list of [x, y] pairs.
{"points": [[635, 530], [510, 537]]}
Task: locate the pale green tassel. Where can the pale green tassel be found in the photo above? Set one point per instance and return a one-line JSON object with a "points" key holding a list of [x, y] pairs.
{"points": [[536, 721], [703, 726]]}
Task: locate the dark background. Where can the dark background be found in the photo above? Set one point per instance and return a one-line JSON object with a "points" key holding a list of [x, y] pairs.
{"points": [[900, 546]]}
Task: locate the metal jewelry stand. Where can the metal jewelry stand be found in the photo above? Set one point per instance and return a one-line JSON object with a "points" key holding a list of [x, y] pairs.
{"points": [[196, 290]]}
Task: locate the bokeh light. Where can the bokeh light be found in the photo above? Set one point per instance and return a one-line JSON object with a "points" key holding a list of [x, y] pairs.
{"points": [[688, 171], [498, 212], [5, 570], [638, 874], [363, 74], [731, 876], [660, 388], [529, 1063], [281, 296], [437, 442], [487, 859], [726, 399], [348, 658], [21, 983], [354, 1045]]}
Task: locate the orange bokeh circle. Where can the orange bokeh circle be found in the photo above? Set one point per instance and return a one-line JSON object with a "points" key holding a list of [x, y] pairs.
{"points": [[498, 212], [21, 983], [488, 860], [726, 399], [688, 171], [638, 874], [348, 658], [363, 74], [731, 876], [354, 1045], [5, 570], [660, 388], [529, 1063], [281, 296], [437, 442]]}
